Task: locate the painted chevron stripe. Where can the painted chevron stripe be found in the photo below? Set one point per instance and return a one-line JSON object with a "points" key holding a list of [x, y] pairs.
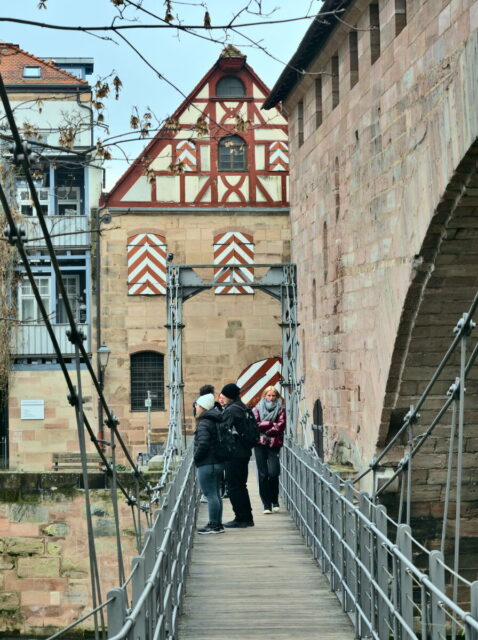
{"points": [[187, 154], [146, 264], [234, 255], [279, 156], [257, 376]]}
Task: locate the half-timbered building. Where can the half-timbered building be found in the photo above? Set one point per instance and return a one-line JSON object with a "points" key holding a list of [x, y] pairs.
{"points": [[209, 189]]}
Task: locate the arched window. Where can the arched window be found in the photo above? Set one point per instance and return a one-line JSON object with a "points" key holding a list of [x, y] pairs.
{"points": [[230, 87], [147, 374], [232, 154]]}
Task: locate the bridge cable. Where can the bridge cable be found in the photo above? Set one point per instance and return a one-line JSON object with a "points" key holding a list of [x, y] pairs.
{"points": [[76, 337]]}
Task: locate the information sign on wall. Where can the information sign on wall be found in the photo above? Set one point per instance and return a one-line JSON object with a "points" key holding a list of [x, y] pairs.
{"points": [[32, 410]]}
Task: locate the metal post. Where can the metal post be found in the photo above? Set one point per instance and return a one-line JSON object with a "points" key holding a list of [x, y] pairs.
{"points": [[175, 326], [139, 579], [147, 402], [473, 635], [289, 351], [365, 551], [437, 613], [116, 611], [404, 544], [381, 573]]}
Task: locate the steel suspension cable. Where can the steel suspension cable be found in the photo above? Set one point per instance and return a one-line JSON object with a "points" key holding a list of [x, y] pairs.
{"points": [[75, 335], [462, 327]]}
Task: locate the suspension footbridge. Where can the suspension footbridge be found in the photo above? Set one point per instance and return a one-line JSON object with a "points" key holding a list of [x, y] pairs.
{"points": [[384, 582]]}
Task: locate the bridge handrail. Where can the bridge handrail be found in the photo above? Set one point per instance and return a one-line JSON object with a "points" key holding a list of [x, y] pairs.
{"points": [[372, 575], [462, 328], [175, 517]]}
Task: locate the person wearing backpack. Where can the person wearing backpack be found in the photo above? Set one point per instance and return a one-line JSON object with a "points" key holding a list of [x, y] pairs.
{"points": [[270, 416], [210, 468], [236, 415]]}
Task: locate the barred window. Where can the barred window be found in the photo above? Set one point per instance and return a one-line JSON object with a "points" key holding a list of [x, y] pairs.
{"points": [[147, 374]]}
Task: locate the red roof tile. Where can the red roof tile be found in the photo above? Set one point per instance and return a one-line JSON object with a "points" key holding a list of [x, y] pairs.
{"points": [[13, 60]]}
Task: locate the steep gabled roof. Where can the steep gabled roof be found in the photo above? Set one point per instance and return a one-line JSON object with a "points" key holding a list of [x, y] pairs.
{"points": [[230, 58], [12, 63]]}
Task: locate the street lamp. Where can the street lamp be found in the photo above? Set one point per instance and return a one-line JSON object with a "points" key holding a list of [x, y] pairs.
{"points": [[103, 356]]}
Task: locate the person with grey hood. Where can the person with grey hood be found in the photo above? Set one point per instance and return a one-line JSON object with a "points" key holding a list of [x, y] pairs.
{"points": [[210, 469]]}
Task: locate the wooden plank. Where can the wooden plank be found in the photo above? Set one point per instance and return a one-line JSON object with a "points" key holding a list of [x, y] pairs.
{"points": [[258, 583]]}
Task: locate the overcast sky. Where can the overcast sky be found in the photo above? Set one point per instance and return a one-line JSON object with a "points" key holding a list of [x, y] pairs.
{"points": [[183, 59]]}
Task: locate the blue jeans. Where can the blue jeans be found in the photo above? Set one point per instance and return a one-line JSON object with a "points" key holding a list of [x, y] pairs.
{"points": [[210, 480]]}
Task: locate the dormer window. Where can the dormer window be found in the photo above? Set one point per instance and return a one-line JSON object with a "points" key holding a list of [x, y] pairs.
{"points": [[230, 87], [32, 72]]}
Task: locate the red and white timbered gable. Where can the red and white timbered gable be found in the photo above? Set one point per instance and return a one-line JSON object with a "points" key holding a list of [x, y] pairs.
{"points": [[219, 149]]}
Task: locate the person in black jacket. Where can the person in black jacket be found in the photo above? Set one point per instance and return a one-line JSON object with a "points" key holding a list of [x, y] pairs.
{"points": [[237, 469], [210, 469]]}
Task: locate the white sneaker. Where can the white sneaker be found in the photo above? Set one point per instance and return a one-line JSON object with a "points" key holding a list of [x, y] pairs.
{"points": [[276, 508], [266, 512]]}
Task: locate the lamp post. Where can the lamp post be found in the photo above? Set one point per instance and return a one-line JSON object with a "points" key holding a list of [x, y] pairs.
{"points": [[103, 354]]}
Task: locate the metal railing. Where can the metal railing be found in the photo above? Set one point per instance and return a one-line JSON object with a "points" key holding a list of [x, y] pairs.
{"points": [[376, 579], [66, 231], [148, 604], [33, 339]]}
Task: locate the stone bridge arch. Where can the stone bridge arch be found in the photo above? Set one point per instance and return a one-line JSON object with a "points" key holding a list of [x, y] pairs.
{"points": [[444, 284]]}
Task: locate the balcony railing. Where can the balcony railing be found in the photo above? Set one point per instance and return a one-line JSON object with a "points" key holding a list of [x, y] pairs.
{"points": [[33, 340], [65, 231]]}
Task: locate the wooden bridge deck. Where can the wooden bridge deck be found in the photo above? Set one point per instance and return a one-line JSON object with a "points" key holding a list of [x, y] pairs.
{"points": [[258, 583]]}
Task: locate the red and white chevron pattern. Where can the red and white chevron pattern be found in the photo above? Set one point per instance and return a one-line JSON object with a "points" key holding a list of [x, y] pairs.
{"points": [[234, 248], [146, 264], [187, 154], [257, 376], [278, 156]]}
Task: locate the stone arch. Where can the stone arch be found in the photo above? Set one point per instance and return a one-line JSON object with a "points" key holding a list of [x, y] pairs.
{"points": [[444, 282]]}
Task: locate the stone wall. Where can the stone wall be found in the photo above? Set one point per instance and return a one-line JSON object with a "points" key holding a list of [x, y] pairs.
{"points": [[44, 566], [223, 333], [366, 186], [32, 443]]}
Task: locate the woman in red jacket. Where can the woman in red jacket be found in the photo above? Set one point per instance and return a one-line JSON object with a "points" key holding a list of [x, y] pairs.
{"points": [[270, 417]]}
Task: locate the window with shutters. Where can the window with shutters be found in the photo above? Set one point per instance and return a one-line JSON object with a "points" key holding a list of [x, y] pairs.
{"points": [[147, 374], [146, 264]]}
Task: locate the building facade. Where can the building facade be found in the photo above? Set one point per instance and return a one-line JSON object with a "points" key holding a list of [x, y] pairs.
{"points": [[209, 189], [383, 128], [51, 102]]}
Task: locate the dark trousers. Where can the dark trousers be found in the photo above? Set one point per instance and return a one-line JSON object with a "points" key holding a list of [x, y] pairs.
{"points": [[268, 471], [236, 484]]}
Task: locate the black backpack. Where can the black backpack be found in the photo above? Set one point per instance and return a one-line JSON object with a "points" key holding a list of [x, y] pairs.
{"points": [[226, 441], [251, 433]]}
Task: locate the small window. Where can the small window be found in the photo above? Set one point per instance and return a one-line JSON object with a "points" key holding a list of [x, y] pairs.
{"points": [[318, 102], [147, 374], [400, 15], [354, 61], [230, 87], [300, 122], [335, 81], [374, 32], [32, 72], [232, 154], [29, 311]]}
